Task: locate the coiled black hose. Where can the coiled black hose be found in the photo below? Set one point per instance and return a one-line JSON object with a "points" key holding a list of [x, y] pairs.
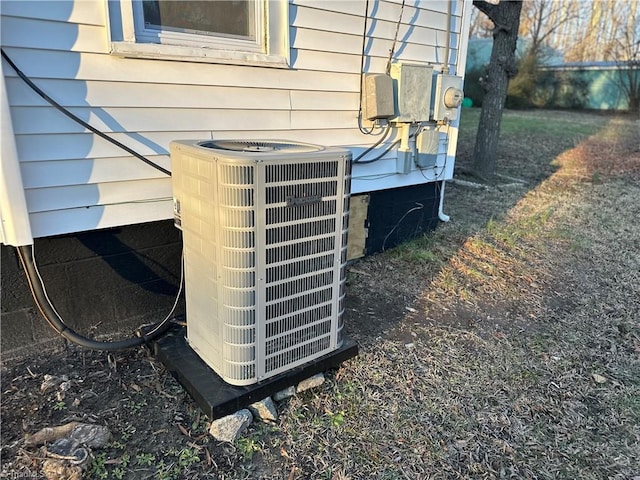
{"points": [[25, 253]]}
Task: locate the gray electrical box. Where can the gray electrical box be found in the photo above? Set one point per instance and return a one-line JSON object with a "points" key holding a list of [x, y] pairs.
{"points": [[448, 97], [428, 146], [412, 90], [377, 101]]}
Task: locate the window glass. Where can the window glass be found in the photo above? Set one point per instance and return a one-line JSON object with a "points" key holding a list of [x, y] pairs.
{"points": [[227, 18]]}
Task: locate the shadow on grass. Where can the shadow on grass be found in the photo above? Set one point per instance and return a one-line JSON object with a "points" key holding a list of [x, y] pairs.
{"points": [[384, 288]]}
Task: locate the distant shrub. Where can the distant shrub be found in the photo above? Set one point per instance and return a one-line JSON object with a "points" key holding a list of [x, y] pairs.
{"points": [[473, 86], [522, 88], [561, 89]]}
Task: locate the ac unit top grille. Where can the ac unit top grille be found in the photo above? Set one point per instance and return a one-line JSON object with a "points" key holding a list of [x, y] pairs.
{"points": [[258, 146]]}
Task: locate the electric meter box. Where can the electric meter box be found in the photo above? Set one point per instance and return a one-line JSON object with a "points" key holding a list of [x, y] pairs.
{"points": [[377, 101], [448, 97], [412, 90]]}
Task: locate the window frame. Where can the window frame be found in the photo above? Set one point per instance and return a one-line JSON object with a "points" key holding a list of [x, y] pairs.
{"points": [[270, 49]]}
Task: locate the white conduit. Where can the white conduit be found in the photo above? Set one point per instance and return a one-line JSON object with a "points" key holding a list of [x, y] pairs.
{"points": [[15, 228]]}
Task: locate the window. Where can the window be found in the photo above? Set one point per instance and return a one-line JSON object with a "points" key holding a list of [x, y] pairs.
{"points": [[215, 24], [240, 31]]}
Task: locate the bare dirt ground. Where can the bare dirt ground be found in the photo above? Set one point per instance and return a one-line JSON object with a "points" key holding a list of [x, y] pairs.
{"points": [[506, 344]]}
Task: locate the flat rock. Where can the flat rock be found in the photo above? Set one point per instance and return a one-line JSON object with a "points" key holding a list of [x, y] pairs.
{"points": [[265, 410], [229, 428], [311, 382], [94, 436], [286, 393]]}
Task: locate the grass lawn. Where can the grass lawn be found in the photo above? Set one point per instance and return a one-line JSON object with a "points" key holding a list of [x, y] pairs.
{"points": [[517, 354]]}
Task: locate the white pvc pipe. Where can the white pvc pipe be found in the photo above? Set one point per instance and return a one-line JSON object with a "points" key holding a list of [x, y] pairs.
{"points": [[14, 216], [447, 50], [441, 214], [404, 136], [445, 69]]}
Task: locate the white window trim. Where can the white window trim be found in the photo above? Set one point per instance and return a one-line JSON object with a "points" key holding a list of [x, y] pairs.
{"points": [[216, 42], [276, 33]]}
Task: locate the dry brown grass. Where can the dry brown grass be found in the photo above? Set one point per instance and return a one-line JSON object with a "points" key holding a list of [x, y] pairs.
{"points": [[521, 359]]}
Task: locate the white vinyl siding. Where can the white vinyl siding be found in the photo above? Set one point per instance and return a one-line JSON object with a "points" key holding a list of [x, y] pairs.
{"points": [[76, 181]]}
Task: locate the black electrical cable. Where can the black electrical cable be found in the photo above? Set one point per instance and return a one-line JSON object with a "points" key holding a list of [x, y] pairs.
{"points": [[380, 140], [395, 39], [375, 159], [48, 311], [77, 119], [358, 160]]}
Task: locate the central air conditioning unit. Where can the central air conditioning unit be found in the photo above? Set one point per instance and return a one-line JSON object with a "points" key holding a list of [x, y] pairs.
{"points": [[265, 248]]}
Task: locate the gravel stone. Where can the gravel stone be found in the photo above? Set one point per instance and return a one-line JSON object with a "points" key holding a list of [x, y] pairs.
{"points": [[264, 410], [94, 436], [286, 393], [311, 382], [229, 428]]}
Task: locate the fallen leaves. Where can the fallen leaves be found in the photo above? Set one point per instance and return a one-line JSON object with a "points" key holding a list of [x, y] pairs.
{"points": [[184, 431]]}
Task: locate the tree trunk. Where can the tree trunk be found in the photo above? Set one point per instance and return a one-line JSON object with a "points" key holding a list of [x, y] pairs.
{"points": [[502, 66]]}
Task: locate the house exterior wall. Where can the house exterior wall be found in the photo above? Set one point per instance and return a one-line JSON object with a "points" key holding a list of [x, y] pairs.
{"points": [[105, 243], [75, 181]]}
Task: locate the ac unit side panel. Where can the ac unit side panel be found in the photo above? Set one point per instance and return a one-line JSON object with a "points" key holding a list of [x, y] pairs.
{"points": [[217, 289], [344, 240], [200, 303], [238, 231]]}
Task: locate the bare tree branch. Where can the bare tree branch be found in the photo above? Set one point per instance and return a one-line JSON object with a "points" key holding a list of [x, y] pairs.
{"points": [[487, 8]]}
